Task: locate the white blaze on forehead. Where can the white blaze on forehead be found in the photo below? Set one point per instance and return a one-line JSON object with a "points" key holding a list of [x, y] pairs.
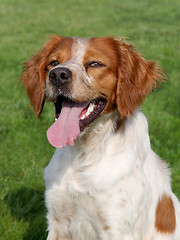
{"points": [[79, 48], [75, 64]]}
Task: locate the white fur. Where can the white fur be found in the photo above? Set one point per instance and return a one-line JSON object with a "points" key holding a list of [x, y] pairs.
{"points": [[107, 187]]}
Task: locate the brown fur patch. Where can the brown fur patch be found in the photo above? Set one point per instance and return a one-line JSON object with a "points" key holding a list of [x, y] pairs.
{"points": [[165, 215], [136, 78], [35, 72], [105, 78], [106, 228]]}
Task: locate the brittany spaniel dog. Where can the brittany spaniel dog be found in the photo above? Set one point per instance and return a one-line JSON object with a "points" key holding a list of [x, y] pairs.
{"points": [[103, 182]]}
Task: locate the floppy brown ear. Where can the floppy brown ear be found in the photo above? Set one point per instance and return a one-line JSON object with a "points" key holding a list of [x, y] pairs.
{"points": [[136, 78], [34, 74]]}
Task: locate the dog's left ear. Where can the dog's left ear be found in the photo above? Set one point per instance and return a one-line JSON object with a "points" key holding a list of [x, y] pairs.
{"points": [[34, 75], [136, 78]]}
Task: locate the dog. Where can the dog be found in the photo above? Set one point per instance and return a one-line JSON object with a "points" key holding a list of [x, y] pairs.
{"points": [[103, 182]]}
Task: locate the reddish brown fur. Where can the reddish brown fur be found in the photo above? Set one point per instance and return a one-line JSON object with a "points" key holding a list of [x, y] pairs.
{"points": [[35, 74], [165, 215], [136, 78], [103, 49], [62, 53]]}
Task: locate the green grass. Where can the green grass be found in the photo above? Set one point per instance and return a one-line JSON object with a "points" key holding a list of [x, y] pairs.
{"points": [[152, 26]]}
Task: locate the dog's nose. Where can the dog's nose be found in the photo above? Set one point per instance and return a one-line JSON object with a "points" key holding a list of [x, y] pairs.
{"points": [[60, 75]]}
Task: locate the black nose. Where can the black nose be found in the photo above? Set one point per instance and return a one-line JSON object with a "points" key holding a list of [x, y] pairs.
{"points": [[60, 75]]}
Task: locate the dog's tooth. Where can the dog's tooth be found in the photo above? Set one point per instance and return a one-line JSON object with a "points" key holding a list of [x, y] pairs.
{"points": [[90, 109], [83, 117]]}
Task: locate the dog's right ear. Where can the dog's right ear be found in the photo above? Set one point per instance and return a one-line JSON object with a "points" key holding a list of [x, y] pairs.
{"points": [[35, 73]]}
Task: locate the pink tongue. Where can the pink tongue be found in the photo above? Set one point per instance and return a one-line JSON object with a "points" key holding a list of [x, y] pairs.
{"points": [[66, 129]]}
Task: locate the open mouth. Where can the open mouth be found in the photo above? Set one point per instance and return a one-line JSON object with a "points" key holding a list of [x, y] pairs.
{"points": [[72, 118], [90, 110]]}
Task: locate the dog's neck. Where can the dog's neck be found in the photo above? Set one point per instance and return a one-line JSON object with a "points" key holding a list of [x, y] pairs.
{"points": [[99, 131], [130, 134]]}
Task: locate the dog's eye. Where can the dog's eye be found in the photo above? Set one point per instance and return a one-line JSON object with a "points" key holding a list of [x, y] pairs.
{"points": [[95, 64], [54, 63]]}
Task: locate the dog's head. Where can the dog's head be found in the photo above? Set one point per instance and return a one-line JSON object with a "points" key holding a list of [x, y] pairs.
{"points": [[86, 78]]}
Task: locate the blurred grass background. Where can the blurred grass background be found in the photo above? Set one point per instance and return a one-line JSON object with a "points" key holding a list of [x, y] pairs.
{"points": [[152, 26]]}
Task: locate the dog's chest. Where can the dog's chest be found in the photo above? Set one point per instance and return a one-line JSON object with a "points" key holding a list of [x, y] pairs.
{"points": [[69, 187], [74, 206], [86, 214], [90, 201]]}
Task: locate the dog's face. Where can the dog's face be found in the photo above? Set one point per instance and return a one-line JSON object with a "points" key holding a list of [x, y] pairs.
{"points": [[83, 70], [97, 75]]}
